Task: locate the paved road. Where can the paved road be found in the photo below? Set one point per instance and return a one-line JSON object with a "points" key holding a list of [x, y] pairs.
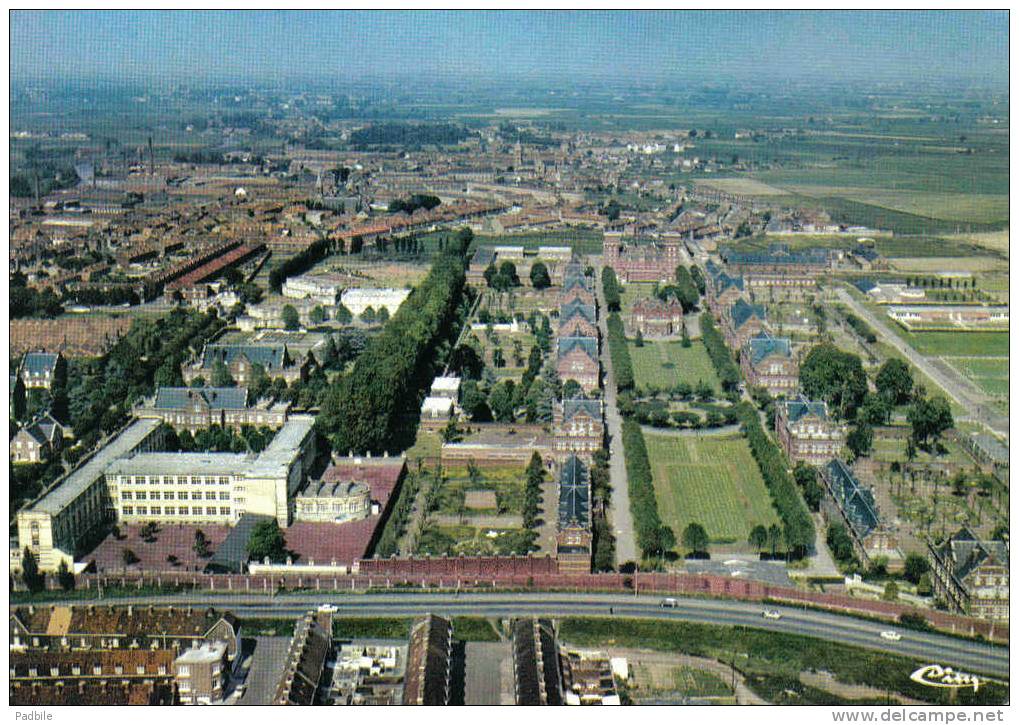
{"points": [[977, 408], [971, 655], [619, 506]]}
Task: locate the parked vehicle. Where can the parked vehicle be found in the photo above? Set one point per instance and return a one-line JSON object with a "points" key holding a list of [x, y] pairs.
{"points": [[891, 634], [772, 614]]}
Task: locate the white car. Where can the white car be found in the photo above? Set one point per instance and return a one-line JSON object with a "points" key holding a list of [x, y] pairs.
{"points": [[772, 614], [891, 634], [670, 603], [328, 608]]}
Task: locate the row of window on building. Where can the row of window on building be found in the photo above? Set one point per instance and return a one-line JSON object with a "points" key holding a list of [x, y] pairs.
{"points": [[172, 495], [178, 480], [175, 511]]}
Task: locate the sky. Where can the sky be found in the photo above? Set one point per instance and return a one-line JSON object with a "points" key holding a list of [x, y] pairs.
{"points": [[624, 47]]}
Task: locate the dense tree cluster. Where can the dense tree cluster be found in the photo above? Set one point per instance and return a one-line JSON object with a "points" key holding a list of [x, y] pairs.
{"points": [[101, 391], [102, 296], [622, 366], [532, 491], [806, 479], [412, 203], [836, 377], [267, 542], [29, 302], [894, 381], [721, 358], [653, 537], [373, 408], [687, 292], [540, 278], [299, 263], [698, 278], [929, 418], [610, 286], [798, 527]]}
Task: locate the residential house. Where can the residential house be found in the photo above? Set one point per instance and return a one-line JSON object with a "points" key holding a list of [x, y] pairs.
{"points": [[578, 360], [429, 660], [38, 441], [537, 675], [971, 574], [807, 432], [42, 369], [201, 674], [306, 660], [656, 318], [91, 677], [768, 362]]}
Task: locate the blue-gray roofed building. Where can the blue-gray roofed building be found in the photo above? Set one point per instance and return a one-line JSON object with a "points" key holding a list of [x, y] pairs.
{"points": [[588, 345], [806, 432], [573, 540], [853, 506], [42, 369], [240, 358], [194, 409], [743, 321], [776, 258], [768, 362]]}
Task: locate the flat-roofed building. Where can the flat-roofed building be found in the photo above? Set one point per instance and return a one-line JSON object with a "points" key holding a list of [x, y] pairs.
{"points": [[359, 299], [201, 674]]}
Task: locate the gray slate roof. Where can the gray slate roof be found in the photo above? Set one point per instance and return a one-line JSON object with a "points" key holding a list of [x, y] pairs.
{"points": [[742, 311], [856, 503], [796, 409], [215, 398], [965, 552], [271, 357], [588, 344], [574, 494], [577, 406], [576, 307], [764, 345], [38, 363]]}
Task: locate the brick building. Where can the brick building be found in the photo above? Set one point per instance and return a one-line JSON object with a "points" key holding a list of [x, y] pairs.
{"points": [[807, 432], [655, 318], [578, 360], [653, 260], [193, 409], [577, 319], [579, 427], [743, 321], [768, 362], [971, 574]]}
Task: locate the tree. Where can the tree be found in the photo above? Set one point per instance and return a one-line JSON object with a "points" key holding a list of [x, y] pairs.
{"points": [[840, 544], [129, 557], [806, 479], [915, 567], [267, 540], [894, 381], [860, 439], [572, 390], [201, 546], [65, 577], [221, 377], [368, 315], [490, 274], [343, 315], [540, 278], [891, 592], [318, 315], [695, 538], [836, 377], [774, 538], [638, 341], [929, 418], [758, 538], [875, 410], [33, 580], [500, 400], [667, 539], [291, 320]]}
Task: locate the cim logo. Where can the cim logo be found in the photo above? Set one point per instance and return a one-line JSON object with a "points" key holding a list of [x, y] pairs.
{"points": [[938, 676]]}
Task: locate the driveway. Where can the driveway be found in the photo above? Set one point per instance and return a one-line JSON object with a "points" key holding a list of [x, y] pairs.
{"points": [[619, 507]]}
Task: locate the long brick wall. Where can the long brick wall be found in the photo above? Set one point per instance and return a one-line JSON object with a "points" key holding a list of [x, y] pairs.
{"points": [[536, 574]]}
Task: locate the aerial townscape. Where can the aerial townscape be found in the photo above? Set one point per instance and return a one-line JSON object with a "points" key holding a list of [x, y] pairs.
{"points": [[369, 375]]}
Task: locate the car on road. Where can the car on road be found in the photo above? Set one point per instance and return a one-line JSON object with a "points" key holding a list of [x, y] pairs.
{"points": [[670, 603], [328, 608], [891, 635], [772, 614]]}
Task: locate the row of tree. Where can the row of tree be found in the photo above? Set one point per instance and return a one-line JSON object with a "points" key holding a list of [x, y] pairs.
{"points": [[373, 407], [798, 527], [653, 537], [718, 351], [610, 286], [622, 365], [299, 263], [685, 289]]}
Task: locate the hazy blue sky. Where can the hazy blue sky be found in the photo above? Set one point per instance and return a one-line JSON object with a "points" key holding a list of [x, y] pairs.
{"points": [[628, 46]]}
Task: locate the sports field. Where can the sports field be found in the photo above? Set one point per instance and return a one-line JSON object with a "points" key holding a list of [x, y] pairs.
{"points": [[711, 480], [664, 364]]}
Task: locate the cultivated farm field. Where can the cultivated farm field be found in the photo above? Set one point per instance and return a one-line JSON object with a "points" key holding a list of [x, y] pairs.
{"points": [[663, 364], [711, 480]]}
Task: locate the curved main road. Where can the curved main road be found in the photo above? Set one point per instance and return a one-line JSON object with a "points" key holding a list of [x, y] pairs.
{"points": [[928, 648]]}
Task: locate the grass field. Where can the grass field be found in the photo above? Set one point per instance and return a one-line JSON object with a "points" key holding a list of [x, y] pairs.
{"points": [[664, 364], [935, 265], [743, 185], [711, 480], [506, 481], [990, 374], [960, 207], [583, 241], [957, 343]]}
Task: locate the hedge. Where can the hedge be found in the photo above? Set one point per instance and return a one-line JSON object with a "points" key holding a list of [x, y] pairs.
{"points": [[622, 366], [798, 526]]}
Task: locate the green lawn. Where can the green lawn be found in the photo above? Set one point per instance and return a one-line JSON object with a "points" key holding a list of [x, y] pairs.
{"points": [[711, 480], [990, 374], [506, 481], [957, 343], [664, 364]]}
